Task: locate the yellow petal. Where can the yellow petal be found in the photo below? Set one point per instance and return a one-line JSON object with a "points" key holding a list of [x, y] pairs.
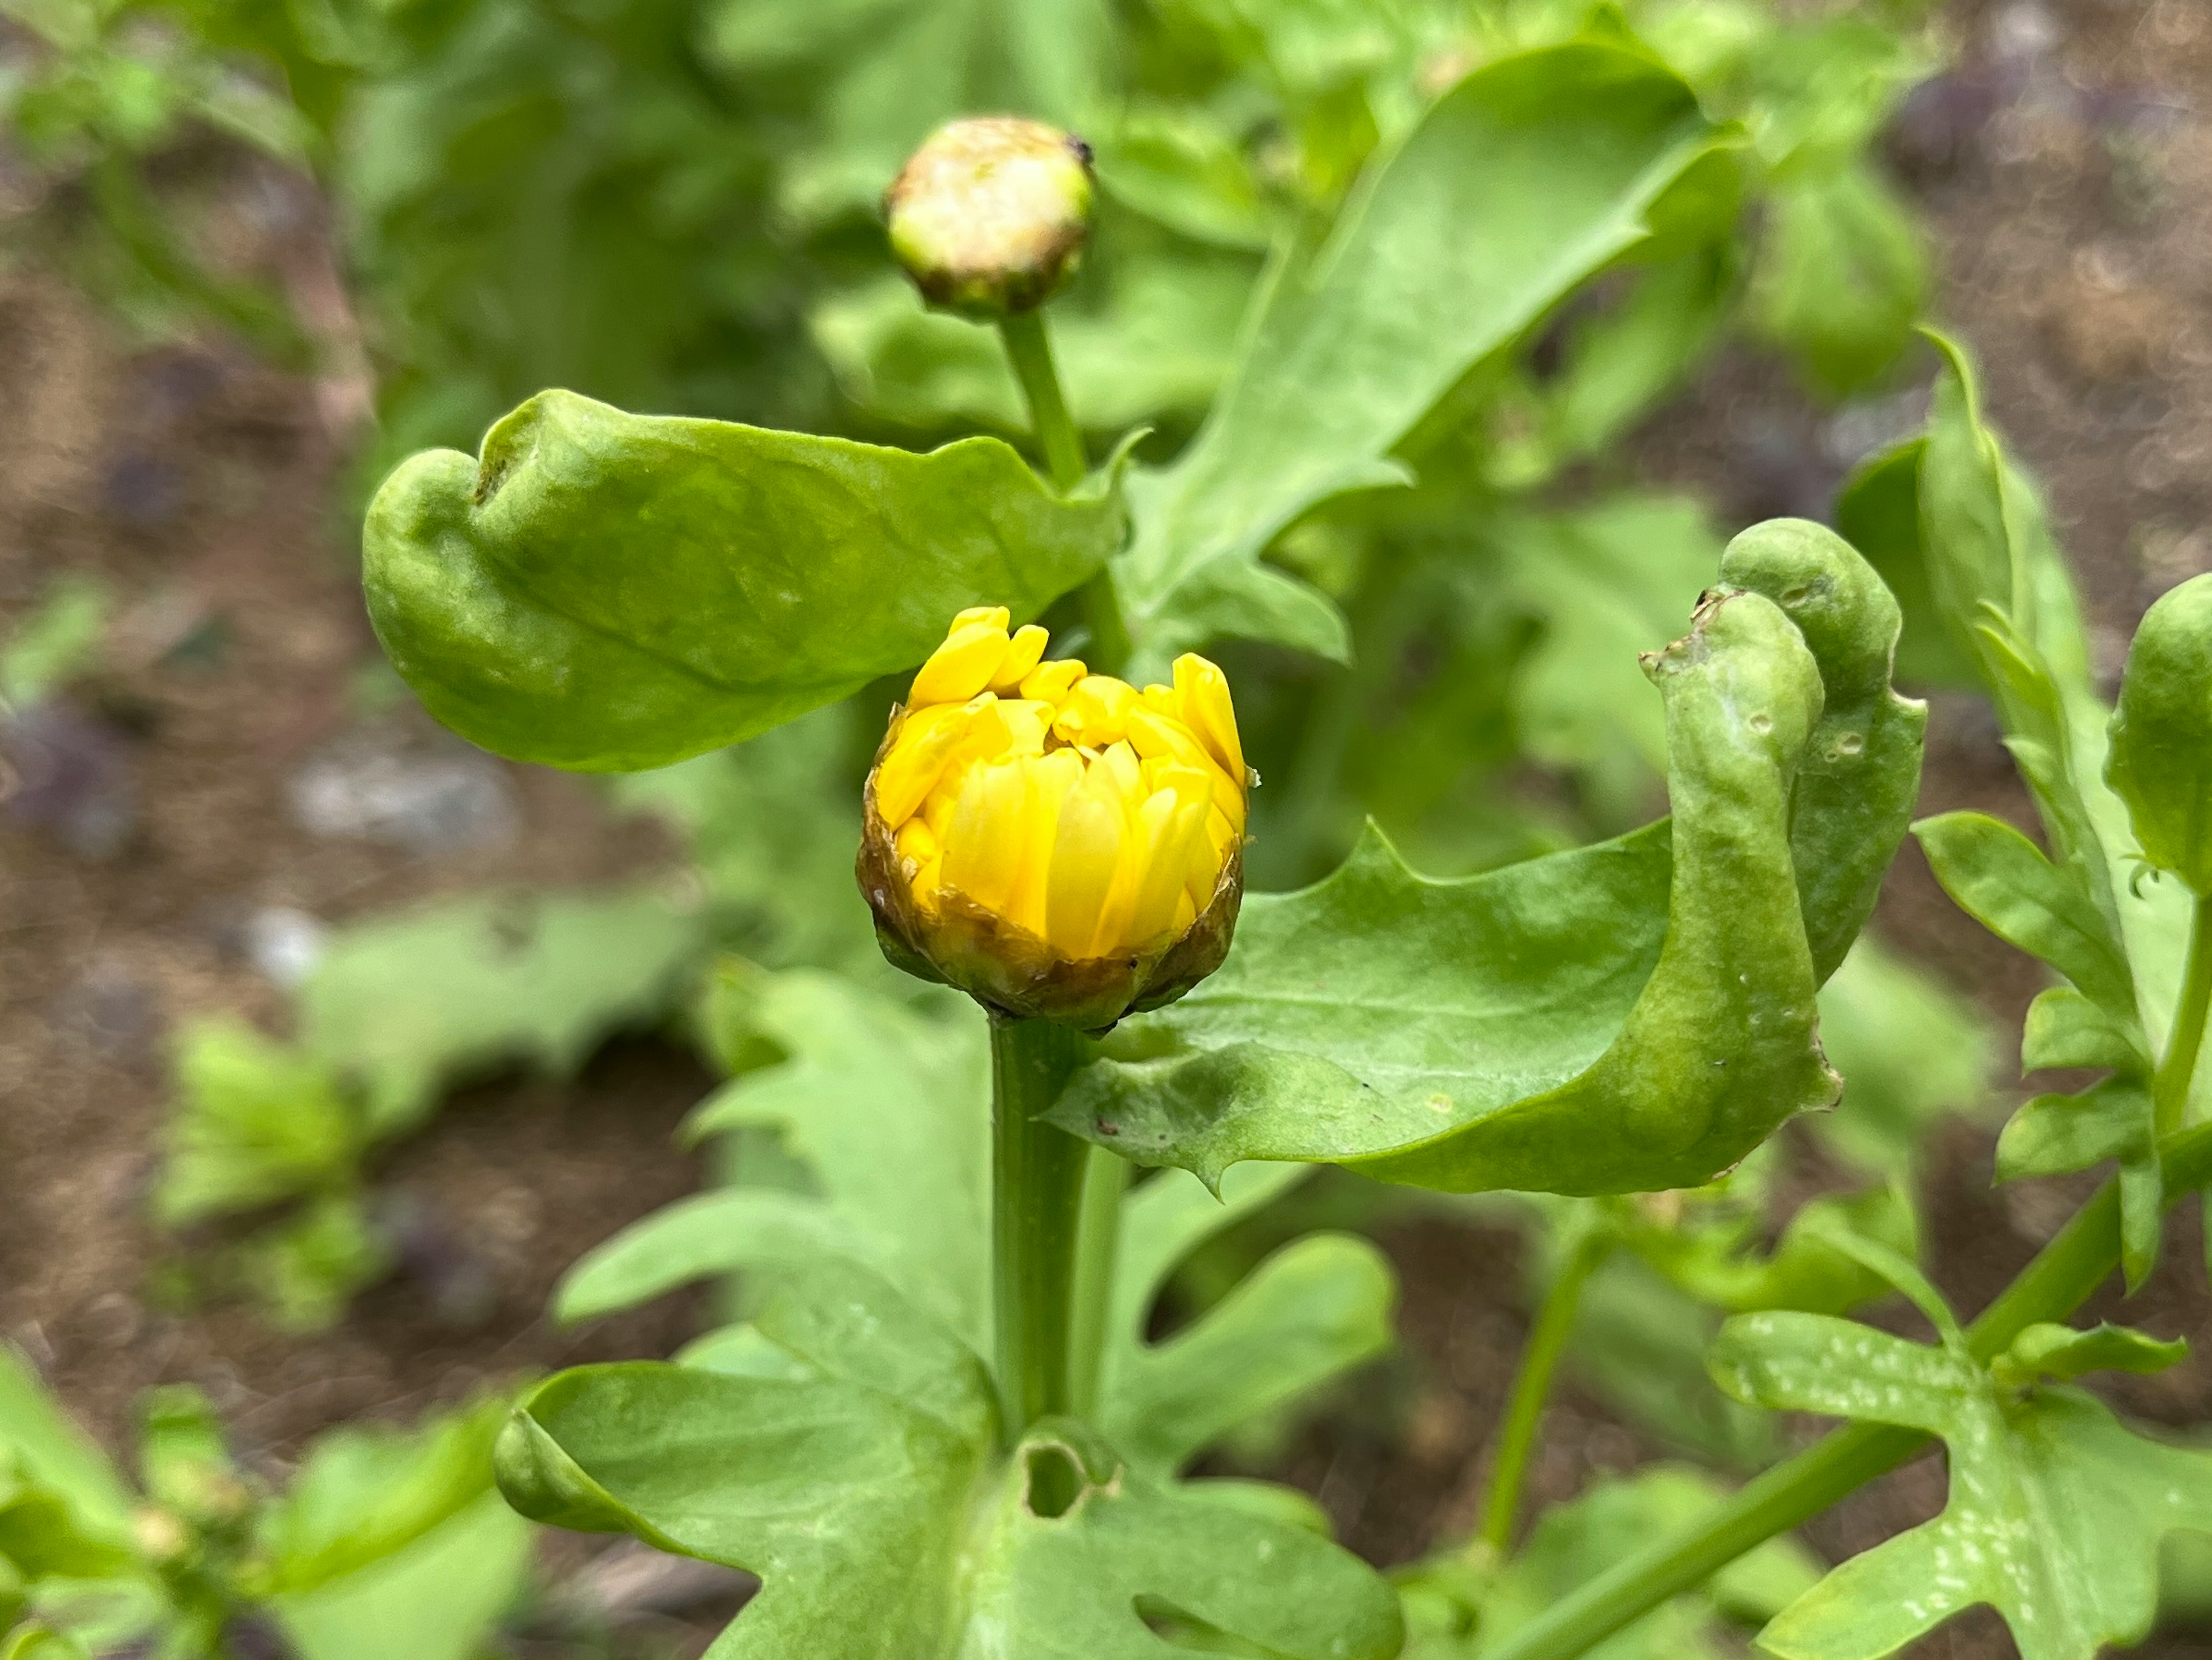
{"points": [[1192, 785], [1208, 852], [1203, 692], [1050, 682], [1157, 737], [1153, 735], [1221, 836], [1085, 853], [1160, 700], [962, 665], [997, 616], [1168, 825], [927, 741], [1022, 654], [1185, 914], [988, 735], [1128, 773], [938, 808], [927, 883], [1095, 711], [983, 850], [917, 846], [1027, 724], [1052, 778]]}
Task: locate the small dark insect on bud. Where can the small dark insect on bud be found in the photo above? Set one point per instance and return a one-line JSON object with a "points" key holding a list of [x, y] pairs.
{"points": [[989, 216]]}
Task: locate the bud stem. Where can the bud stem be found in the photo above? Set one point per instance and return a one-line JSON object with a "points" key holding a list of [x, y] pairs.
{"points": [[1029, 349], [1037, 1203], [2170, 1088], [1532, 1383]]}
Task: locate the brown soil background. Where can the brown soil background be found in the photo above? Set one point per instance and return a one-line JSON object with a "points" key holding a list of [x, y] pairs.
{"points": [[2065, 170]]}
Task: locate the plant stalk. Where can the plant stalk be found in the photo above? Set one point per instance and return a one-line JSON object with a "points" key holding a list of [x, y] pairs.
{"points": [[2170, 1088], [1029, 349], [1105, 1180], [1037, 1197], [2063, 1275], [1532, 1385]]}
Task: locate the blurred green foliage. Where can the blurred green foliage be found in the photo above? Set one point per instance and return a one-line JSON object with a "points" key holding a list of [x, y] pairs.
{"points": [[669, 204], [379, 1537]]}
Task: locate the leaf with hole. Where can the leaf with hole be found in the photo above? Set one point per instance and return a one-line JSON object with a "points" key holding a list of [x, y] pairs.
{"points": [[871, 1499]]}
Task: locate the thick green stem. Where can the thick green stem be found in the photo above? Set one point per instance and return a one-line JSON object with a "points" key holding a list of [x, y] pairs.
{"points": [[1105, 1181], [1029, 349], [1532, 1385], [1037, 1197], [2170, 1090], [2062, 1276]]}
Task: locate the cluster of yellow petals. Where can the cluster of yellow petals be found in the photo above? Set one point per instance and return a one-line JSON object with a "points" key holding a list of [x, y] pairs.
{"points": [[1095, 816]]}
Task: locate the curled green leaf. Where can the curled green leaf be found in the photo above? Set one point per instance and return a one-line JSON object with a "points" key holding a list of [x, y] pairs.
{"points": [[608, 591], [1602, 1020]]}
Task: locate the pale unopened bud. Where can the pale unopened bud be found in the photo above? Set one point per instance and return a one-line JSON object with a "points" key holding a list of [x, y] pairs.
{"points": [[990, 215], [1058, 844]]}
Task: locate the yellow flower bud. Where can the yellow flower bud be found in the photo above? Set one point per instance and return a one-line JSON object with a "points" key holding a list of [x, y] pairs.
{"points": [[1072, 853]]}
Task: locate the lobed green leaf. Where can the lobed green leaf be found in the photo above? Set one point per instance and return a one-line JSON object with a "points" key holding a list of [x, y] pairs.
{"points": [[2057, 1509], [887, 1110], [2060, 1351]]}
